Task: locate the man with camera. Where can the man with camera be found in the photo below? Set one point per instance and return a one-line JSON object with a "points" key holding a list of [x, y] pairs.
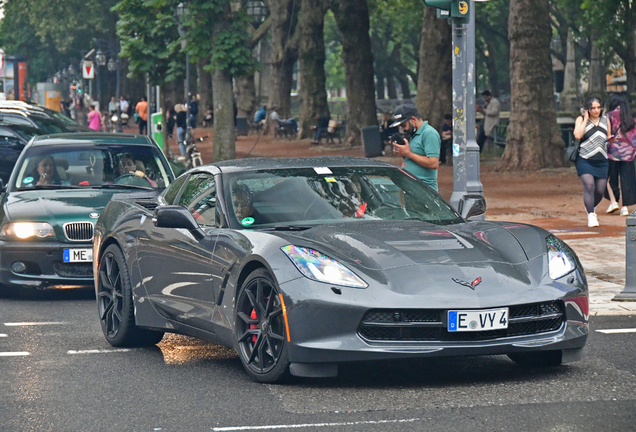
{"points": [[419, 144]]}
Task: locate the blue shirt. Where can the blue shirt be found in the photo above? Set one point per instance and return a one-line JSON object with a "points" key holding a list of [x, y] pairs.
{"points": [[425, 142], [260, 115]]}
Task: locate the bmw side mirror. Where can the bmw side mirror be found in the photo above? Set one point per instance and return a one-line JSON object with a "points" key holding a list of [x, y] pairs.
{"points": [[175, 216], [471, 206]]}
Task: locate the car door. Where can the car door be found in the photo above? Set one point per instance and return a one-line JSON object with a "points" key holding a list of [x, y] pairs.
{"points": [[10, 148], [175, 266]]}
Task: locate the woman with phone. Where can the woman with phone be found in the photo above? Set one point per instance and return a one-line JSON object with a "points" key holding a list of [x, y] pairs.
{"points": [[593, 129], [621, 152]]}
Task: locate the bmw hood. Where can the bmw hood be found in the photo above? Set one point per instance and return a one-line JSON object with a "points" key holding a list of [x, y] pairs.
{"points": [[56, 206]]}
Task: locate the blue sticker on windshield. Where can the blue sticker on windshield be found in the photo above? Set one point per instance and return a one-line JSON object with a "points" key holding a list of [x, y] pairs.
{"points": [[28, 180], [247, 221]]}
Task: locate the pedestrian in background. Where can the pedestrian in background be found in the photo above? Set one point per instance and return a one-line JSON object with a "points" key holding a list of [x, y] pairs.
{"points": [[182, 125], [491, 119], [112, 106], [620, 153], [593, 129], [94, 119], [447, 139], [420, 149], [142, 111], [194, 111]]}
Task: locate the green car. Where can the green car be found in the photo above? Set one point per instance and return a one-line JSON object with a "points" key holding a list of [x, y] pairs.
{"points": [[58, 188]]}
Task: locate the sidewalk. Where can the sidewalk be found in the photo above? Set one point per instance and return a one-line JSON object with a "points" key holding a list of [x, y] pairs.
{"points": [[550, 198]]}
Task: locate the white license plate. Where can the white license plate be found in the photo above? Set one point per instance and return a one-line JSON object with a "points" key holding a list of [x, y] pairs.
{"points": [[78, 255], [477, 320]]}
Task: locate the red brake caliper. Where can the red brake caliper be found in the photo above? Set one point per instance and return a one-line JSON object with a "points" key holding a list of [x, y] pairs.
{"points": [[253, 326]]}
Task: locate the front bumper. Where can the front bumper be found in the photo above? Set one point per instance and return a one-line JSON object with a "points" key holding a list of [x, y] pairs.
{"points": [[45, 266], [325, 328]]}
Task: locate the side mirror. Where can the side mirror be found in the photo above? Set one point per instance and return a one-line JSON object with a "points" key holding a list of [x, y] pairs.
{"points": [[175, 216], [472, 205]]}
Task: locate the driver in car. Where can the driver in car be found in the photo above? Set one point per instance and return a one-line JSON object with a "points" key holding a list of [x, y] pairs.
{"points": [[243, 208], [127, 165]]}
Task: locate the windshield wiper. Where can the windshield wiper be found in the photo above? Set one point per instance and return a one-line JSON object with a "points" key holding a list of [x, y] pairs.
{"points": [[287, 228], [122, 186], [51, 187]]}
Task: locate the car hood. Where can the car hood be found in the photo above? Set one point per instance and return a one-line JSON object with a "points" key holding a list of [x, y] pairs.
{"points": [[387, 245], [56, 206]]}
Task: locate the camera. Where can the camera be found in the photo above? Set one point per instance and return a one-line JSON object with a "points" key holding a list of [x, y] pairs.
{"points": [[397, 138]]}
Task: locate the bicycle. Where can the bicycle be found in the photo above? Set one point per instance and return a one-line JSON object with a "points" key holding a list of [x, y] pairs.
{"points": [[192, 158]]}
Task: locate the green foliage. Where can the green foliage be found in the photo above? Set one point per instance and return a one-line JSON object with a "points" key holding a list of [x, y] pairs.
{"points": [[334, 67], [609, 22], [492, 48]]}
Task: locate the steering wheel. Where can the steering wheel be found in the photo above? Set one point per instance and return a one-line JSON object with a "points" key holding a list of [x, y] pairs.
{"points": [[132, 179]]}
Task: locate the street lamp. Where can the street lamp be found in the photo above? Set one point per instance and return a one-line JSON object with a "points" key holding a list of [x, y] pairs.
{"points": [[112, 65], [179, 12], [257, 11], [111, 49]]}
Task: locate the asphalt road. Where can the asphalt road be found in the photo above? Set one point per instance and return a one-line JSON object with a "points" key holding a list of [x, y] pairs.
{"points": [[57, 373]]}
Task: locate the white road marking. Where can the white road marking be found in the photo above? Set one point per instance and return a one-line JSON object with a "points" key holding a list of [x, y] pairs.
{"points": [[18, 324], [612, 331], [97, 351], [14, 354], [3, 335], [313, 425]]}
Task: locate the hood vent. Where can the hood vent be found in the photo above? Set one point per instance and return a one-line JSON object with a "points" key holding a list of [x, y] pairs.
{"points": [[427, 245], [150, 205], [79, 231]]}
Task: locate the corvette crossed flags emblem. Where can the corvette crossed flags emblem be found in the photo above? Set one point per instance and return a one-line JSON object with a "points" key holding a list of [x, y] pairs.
{"points": [[472, 285]]}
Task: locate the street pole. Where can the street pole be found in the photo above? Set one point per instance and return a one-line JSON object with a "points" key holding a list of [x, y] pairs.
{"points": [[466, 176], [118, 89], [187, 94]]}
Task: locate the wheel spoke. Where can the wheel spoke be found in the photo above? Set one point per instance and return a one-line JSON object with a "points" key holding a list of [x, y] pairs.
{"points": [[248, 334], [274, 314], [105, 280], [246, 319], [252, 300], [277, 336], [255, 348], [107, 310], [272, 348]]}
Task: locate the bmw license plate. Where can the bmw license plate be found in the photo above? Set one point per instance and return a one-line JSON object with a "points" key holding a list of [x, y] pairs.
{"points": [[477, 320], [78, 255]]}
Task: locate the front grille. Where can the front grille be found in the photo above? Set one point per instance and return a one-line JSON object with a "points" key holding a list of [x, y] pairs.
{"points": [[73, 270], [79, 231], [429, 325]]}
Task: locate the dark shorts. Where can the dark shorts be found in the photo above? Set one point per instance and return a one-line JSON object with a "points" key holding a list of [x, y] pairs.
{"points": [[599, 168]]}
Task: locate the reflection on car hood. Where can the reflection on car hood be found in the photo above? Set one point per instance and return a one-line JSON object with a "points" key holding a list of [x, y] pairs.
{"points": [[385, 245], [56, 206]]}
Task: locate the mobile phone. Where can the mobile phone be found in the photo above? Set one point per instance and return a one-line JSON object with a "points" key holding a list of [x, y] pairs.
{"points": [[397, 139]]}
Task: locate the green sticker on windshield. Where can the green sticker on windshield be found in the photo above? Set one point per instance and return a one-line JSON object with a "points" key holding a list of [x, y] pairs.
{"points": [[330, 180], [28, 180], [247, 221]]}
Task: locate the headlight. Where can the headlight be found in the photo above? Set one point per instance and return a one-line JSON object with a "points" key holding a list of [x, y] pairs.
{"points": [[25, 230], [320, 267], [561, 259]]}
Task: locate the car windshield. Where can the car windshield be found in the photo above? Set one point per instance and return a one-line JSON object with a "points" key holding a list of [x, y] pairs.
{"points": [[49, 125], [309, 196], [27, 132], [92, 166]]}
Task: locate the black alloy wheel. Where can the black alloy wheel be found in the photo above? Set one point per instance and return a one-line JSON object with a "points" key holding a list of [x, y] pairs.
{"points": [[260, 329], [115, 303]]}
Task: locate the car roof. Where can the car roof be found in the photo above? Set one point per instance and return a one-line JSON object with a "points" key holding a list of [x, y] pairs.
{"points": [[91, 138], [255, 164]]}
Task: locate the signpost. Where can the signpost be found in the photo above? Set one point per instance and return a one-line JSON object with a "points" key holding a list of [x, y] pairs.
{"points": [[466, 181], [88, 70]]}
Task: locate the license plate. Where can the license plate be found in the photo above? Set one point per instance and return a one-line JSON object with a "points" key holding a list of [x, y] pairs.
{"points": [[78, 255], [477, 320]]}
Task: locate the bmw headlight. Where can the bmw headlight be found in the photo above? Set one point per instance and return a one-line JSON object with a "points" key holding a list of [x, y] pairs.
{"points": [[320, 267], [561, 259], [25, 230]]}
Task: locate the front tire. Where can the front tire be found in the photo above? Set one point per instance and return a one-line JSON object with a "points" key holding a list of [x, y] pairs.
{"points": [[115, 303], [538, 358], [261, 339]]}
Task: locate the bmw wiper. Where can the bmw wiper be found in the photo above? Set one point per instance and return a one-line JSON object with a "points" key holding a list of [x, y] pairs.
{"points": [[123, 186], [287, 228], [51, 187]]}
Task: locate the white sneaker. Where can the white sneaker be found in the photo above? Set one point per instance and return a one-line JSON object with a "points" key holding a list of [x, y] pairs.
{"points": [[612, 207], [624, 211], [592, 221]]}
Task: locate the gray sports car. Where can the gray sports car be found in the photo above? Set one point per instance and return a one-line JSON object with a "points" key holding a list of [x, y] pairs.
{"points": [[301, 264]]}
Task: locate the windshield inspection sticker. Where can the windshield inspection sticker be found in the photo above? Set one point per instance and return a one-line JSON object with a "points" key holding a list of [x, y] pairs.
{"points": [[330, 180], [28, 180], [322, 170], [247, 221]]}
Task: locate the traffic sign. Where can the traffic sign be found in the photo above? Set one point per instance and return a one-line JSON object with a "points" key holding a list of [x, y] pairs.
{"points": [[88, 70]]}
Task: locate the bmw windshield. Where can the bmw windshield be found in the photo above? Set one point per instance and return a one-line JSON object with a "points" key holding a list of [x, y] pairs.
{"points": [[310, 196]]}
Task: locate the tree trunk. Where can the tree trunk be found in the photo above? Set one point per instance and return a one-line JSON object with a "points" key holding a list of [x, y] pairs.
{"points": [[390, 85], [534, 140], [311, 64], [245, 96], [404, 85], [224, 135], [164, 122], [379, 84], [282, 57], [205, 88], [352, 18], [435, 77]]}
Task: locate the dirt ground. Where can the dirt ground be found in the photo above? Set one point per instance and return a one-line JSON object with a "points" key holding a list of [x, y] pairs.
{"points": [[550, 198]]}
